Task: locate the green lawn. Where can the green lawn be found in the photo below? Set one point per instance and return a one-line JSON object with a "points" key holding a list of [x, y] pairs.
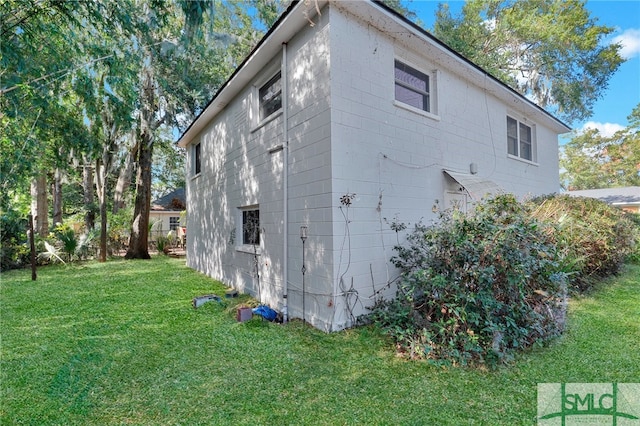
{"points": [[119, 343]]}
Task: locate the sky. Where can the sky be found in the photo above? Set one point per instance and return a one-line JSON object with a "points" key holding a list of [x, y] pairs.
{"points": [[623, 94]]}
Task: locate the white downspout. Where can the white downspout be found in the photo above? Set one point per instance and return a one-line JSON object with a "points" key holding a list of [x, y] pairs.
{"points": [[285, 182]]}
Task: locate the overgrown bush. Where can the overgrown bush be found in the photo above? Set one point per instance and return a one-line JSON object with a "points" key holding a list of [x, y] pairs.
{"points": [[476, 287], [593, 237], [634, 256], [14, 250]]}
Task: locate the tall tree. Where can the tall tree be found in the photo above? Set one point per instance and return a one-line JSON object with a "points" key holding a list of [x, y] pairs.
{"points": [[402, 8], [33, 56], [43, 48], [40, 205], [186, 55], [87, 191], [591, 160], [553, 50], [168, 167], [110, 70]]}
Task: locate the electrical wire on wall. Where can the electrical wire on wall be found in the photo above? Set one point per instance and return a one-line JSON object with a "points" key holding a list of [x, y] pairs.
{"points": [[381, 219], [350, 294]]}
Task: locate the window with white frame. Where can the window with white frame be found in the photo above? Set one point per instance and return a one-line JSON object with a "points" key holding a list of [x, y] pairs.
{"points": [[196, 160], [519, 139], [270, 97], [174, 222], [412, 87], [250, 230]]}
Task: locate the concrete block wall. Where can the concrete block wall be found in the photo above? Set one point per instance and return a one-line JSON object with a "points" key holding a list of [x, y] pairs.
{"points": [[237, 171], [392, 157], [348, 140], [310, 174], [240, 167]]}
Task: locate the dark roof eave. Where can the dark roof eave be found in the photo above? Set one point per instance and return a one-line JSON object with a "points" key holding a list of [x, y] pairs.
{"points": [[395, 14], [240, 67]]}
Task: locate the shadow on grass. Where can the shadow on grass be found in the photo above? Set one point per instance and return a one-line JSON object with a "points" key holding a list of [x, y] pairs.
{"points": [[121, 343]]}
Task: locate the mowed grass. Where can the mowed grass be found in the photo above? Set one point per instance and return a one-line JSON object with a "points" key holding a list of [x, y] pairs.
{"points": [[120, 343]]}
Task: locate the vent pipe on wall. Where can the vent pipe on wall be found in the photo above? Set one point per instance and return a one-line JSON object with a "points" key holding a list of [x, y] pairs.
{"points": [[285, 184]]}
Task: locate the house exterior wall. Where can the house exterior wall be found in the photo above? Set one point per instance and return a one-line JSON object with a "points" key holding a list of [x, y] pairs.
{"points": [[309, 123], [392, 157], [161, 222], [358, 160], [242, 165]]}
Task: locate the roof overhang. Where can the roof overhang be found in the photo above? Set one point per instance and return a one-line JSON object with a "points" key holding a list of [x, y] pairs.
{"points": [[476, 186], [295, 18], [420, 40], [300, 13]]}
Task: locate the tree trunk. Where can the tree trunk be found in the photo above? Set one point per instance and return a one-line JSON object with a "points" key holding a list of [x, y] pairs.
{"points": [[87, 187], [139, 238], [103, 169], [103, 226], [122, 186], [101, 187], [56, 193], [40, 205]]}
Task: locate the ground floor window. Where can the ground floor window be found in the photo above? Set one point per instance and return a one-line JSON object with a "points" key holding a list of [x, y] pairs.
{"points": [[251, 225], [174, 222]]}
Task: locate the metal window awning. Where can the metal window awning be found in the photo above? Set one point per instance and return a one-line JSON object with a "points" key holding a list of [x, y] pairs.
{"points": [[476, 186]]}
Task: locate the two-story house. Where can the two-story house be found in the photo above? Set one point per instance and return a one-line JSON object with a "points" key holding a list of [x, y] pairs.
{"points": [[344, 118]]}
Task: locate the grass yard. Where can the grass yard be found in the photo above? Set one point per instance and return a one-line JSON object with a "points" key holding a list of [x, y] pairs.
{"points": [[119, 343]]}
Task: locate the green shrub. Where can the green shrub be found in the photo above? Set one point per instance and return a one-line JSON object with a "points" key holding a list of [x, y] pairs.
{"points": [[594, 238], [163, 244], [67, 238], [475, 287], [634, 255], [119, 227], [14, 248], [87, 244]]}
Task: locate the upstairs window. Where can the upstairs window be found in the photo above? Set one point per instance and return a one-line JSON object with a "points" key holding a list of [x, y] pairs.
{"points": [[270, 96], [412, 87], [519, 139], [196, 160]]}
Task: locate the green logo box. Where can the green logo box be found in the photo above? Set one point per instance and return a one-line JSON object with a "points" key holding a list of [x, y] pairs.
{"points": [[569, 404]]}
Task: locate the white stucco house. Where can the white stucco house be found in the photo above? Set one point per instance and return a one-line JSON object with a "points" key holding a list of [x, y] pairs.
{"points": [[338, 123], [166, 212], [626, 198]]}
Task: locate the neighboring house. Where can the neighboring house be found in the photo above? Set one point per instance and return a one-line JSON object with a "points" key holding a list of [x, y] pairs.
{"points": [[343, 122], [626, 198], [165, 213]]}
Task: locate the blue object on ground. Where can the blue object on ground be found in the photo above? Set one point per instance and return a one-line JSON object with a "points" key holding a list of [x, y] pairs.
{"points": [[265, 312]]}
